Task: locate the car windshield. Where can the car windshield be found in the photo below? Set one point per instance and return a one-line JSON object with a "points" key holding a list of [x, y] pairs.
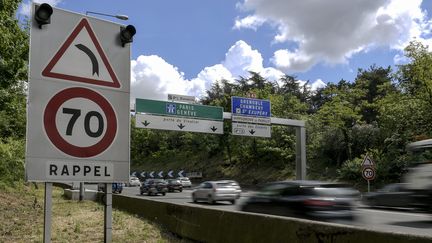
{"points": [[332, 192], [223, 184]]}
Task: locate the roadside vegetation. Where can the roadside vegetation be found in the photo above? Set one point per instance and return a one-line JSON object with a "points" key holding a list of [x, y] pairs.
{"points": [[22, 217], [378, 113]]}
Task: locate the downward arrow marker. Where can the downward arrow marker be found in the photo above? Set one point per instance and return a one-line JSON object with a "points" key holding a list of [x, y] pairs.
{"points": [[251, 131], [145, 123], [181, 126], [213, 128]]}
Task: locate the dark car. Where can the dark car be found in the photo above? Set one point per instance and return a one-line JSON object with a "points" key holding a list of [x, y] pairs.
{"points": [[305, 199], [154, 187], [391, 195], [116, 187], [174, 185]]}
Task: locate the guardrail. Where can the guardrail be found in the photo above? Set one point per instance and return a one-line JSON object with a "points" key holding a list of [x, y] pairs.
{"points": [[213, 225]]}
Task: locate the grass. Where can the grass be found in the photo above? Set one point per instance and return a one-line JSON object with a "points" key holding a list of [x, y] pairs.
{"points": [[21, 220]]}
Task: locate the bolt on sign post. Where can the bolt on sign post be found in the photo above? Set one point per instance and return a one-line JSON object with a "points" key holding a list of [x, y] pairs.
{"points": [[368, 170], [78, 104]]}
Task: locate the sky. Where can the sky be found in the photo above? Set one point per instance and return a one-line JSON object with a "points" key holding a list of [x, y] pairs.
{"points": [[185, 46]]}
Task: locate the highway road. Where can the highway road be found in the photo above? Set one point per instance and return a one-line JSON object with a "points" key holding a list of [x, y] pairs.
{"points": [[375, 219]]}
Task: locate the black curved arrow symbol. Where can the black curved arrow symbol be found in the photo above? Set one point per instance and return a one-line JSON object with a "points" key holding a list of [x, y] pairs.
{"points": [[92, 57], [181, 126]]}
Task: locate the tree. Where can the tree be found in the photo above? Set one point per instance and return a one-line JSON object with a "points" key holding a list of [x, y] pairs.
{"points": [[13, 72]]}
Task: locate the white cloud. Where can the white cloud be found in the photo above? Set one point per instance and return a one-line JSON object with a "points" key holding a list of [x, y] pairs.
{"points": [[26, 5], [332, 31], [153, 78], [249, 22]]}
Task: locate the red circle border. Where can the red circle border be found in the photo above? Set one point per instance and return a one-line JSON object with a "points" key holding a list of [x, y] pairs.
{"points": [[59, 142]]}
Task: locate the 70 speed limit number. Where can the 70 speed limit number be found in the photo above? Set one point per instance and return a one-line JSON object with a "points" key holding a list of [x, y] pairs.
{"points": [[80, 130], [368, 173]]}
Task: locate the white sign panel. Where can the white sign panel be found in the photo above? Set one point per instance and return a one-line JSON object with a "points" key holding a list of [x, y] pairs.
{"points": [[251, 119], [77, 114], [181, 98], [178, 124], [251, 130]]}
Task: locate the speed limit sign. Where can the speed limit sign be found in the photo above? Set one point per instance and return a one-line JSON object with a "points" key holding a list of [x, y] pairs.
{"points": [[78, 119], [368, 173]]}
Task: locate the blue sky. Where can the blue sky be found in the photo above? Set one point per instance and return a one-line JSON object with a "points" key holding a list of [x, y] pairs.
{"points": [[184, 47]]}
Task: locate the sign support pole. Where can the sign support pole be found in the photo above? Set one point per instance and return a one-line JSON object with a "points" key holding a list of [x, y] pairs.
{"points": [[300, 153], [368, 185], [47, 212], [108, 213], [81, 192]]}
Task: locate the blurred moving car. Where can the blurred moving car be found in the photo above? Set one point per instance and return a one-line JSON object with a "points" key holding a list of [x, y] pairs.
{"points": [[391, 195], [213, 191], [185, 182], [134, 181], [236, 186], [306, 199], [174, 185], [116, 187], [154, 187]]}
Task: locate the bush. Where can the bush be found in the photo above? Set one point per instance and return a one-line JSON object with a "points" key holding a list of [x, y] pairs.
{"points": [[11, 162]]}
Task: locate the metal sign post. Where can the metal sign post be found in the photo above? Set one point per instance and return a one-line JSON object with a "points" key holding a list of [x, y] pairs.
{"points": [[47, 212], [108, 213]]}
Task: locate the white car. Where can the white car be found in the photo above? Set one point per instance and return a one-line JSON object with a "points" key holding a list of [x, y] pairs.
{"points": [[235, 185], [213, 191], [185, 182], [134, 181]]}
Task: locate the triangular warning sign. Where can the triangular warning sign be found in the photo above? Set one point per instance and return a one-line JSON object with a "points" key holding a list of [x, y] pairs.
{"points": [[368, 162], [82, 59]]}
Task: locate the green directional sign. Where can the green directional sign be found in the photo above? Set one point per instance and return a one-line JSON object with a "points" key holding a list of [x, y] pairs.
{"points": [[165, 108]]}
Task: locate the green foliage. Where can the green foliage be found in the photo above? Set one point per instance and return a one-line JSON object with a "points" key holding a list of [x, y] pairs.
{"points": [[13, 75], [12, 162]]}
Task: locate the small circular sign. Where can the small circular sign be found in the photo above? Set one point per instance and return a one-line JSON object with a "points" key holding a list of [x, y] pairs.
{"points": [[368, 173], [93, 122]]}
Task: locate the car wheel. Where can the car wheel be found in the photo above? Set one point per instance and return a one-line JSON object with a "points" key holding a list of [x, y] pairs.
{"points": [[194, 198], [142, 193], [148, 193], [163, 193], [210, 200], [233, 201], [180, 190]]}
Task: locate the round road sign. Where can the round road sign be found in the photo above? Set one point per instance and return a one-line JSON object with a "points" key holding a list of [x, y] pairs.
{"points": [[104, 139], [368, 173]]}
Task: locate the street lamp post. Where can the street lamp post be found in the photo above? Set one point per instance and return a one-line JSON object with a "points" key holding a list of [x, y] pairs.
{"points": [[118, 16]]}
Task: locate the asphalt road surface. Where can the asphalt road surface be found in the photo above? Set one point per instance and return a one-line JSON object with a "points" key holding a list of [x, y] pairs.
{"points": [[376, 219]]}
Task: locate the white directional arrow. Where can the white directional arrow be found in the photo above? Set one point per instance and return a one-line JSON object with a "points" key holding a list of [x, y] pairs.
{"points": [[151, 174], [160, 174], [170, 173], [180, 174], [133, 173], [142, 174]]}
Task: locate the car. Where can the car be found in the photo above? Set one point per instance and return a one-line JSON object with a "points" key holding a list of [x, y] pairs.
{"points": [[174, 185], [391, 195], [214, 191], [304, 199], [185, 182], [134, 181], [154, 187], [116, 187], [236, 185]]}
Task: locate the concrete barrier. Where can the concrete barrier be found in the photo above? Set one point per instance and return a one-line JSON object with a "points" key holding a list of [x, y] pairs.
{"points": [[208, 225]]}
